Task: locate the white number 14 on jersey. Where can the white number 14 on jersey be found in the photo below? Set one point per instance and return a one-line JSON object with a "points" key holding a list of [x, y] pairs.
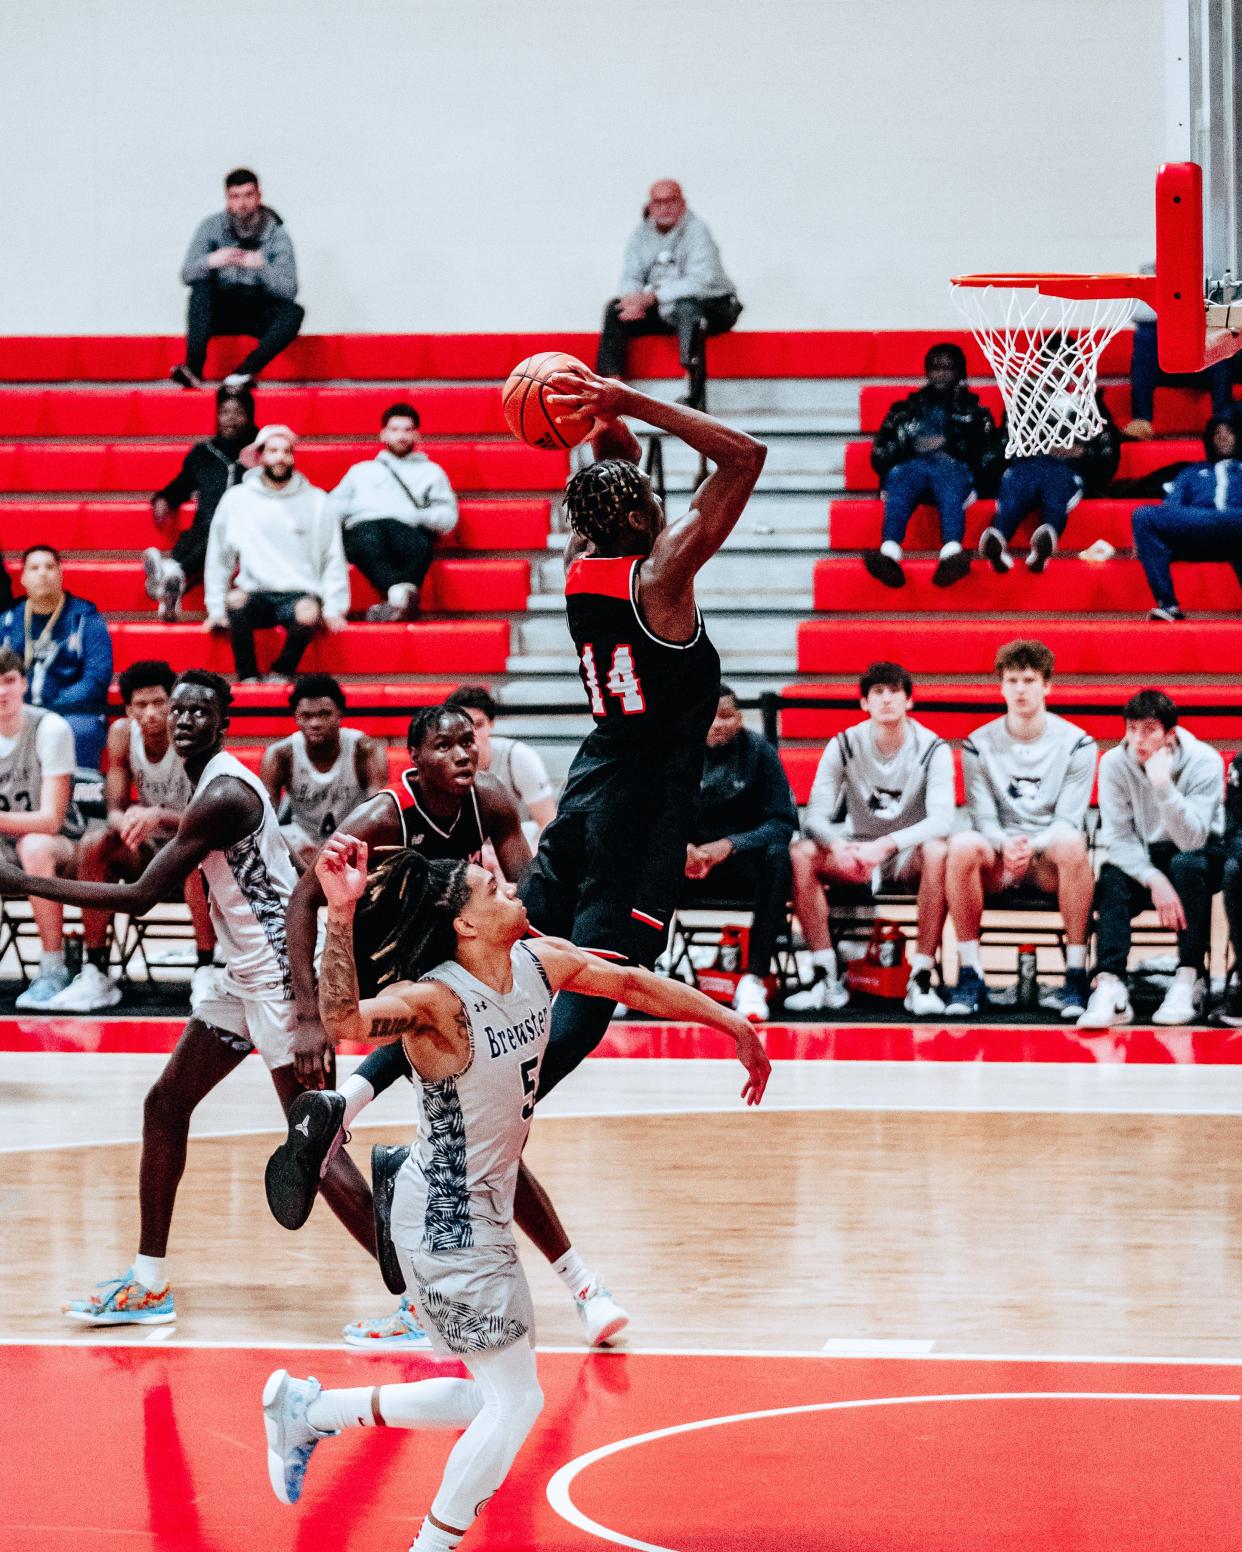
{"points": [[622, 681]]}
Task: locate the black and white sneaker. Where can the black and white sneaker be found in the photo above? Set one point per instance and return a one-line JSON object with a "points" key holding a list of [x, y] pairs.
{"points": [[294, 1171], [951, 568], [992, 548], [884, 568], [1169, 614], [386, 1162], [1230, 1011], [1043, 543]]}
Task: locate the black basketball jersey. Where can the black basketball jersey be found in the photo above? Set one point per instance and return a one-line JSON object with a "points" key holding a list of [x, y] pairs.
{"points": [[461, 842], [637, 683]]}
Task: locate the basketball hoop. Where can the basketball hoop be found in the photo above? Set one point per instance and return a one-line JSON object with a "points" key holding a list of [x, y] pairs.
{"points": [[1044, 349]]}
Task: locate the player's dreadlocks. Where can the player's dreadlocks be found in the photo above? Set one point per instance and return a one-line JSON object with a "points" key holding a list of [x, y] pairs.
{"points": [[599, 496], [404, 922]]}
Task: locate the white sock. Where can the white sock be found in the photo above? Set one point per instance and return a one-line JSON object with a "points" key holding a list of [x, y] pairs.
{"points": [[1076, 956], [50, 961], [952, 548], [439, 1403], [432, 1539], [358, 1095], [825, 959], [892, 549], [1188, 974], [1106, 978], [149, 1271], [921, 962], [968, 955], [572, 1272]]}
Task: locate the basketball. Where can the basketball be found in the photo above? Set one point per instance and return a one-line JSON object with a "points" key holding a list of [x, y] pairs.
{"points": [[525, 405]]}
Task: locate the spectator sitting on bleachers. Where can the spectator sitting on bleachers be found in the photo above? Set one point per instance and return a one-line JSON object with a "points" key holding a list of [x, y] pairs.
{"points": [[1054, 482], [1230, 1013], [1028, 783], [142, 764], [280, 534], [64, 646], [392, 508], [513, 763], [243, 280], [672, 282], [938, 444], [881, 809], [1161, 817], [744, 821], [210, 468], [1199, 519], [38, 823], [323, 771], [1146, 374]]}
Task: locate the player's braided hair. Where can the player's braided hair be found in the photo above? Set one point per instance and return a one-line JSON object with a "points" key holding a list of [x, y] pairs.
{"points": [[403, 925], [599, 496]]}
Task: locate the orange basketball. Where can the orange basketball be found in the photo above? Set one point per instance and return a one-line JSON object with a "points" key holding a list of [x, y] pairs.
{"points": [[523, 398]]}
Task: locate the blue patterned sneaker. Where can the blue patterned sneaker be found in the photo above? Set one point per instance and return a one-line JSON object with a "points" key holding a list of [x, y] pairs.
{"points": [[43, 988], [970, 995], [400, 1329], [291, 1440], [123, 1301]]}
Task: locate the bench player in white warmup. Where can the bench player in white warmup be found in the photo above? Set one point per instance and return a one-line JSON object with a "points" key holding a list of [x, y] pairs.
{"points": [[475, 1027]]}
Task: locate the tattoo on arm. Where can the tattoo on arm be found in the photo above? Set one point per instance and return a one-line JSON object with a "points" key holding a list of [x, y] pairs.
{"points": [[338, 980], [390, 1028]]}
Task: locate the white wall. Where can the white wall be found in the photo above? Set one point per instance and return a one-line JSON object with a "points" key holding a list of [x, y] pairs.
{"points": [[477, 164]]}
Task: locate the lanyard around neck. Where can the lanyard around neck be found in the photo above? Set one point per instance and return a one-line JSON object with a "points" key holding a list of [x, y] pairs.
{"points": [[33, 648]]}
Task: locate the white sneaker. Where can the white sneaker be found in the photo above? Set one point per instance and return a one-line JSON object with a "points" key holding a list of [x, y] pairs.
{"points": [[89, 992], [601, 1316], [153, 567], [1109, 1006], [826, 993], [172, 590], [923, 1002], [46, 985], [751, 999], [1183, 1003]]}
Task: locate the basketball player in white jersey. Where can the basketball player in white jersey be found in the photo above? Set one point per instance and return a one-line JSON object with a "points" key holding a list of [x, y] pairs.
{"points": [[229, 830], [323, 771], [141, 763], [475, 1027]]}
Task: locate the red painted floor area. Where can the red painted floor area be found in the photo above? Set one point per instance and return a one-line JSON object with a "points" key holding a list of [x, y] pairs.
{"points": [[785, 1042], [163, 1447]]}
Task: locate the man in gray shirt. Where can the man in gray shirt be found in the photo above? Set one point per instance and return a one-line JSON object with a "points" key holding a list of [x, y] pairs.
{"points": [[672, 282], [1028, 782], [243, 280], [1161, 819]]}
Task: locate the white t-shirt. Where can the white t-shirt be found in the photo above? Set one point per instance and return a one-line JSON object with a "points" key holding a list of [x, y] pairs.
{"points": [[516, 766], [53, 744]]}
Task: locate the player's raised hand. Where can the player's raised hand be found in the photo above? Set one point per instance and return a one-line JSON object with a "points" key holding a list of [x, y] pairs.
{"points": [[584, 392], [341, 869]]}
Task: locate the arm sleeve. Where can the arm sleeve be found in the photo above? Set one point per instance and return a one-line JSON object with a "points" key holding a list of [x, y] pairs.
{"points": [[530, 776], [333, 571], [1075, 793], [980, 799], [1118, 832], [90, 692], [220, 560], [702, 271], [940, 803], [182, 485], [780, 817], [195, 266], [1190, 813], [632, 277], [54, 746], [439, 511], [819, 819], [280, 273]]}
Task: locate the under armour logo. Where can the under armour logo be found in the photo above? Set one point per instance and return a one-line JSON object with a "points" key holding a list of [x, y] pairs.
{"points": [[303, 1126]]}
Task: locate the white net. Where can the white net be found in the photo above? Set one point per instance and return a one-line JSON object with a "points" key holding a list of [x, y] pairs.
{"points": [[1045, 352]]}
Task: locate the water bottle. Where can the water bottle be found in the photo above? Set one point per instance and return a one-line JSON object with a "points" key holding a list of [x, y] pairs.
{"points": [[1028, 977], [729, 956]]}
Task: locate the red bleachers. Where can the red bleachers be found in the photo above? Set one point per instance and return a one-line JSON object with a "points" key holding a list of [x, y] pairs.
{"points": [[854, 524], [1178, 411], [104, 466], [127, 525], [843, 586], [949, 646], [275, 719], [1137, 459]]}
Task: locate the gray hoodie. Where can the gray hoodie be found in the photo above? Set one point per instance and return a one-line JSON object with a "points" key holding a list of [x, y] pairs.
{"points": [[1134, 817], [682, 262], [278, 275]]}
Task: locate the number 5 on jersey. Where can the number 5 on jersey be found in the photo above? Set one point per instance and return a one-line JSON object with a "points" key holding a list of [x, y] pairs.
{"points": [[622, 681]]}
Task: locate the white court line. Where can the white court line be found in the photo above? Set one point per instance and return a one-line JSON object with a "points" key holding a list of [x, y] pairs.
{"points": [[558, 1487], [860, 1354]]}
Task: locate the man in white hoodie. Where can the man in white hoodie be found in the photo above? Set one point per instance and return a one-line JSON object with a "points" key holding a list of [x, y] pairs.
{"points": [[280, 535], [1161, 795]]}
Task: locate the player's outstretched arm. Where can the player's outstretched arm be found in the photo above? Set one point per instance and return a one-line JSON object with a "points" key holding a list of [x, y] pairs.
{"points": [[227, 812], [570, 968]]}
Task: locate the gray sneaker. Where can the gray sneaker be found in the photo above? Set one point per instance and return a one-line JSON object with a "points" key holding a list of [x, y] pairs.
{"points": [[43, 988]]}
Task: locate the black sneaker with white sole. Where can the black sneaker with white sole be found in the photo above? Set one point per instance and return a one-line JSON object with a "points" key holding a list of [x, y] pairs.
{"points": [[294, 1171], [386, 1162], [1043, 542], [1168, 614], [992, 549]]}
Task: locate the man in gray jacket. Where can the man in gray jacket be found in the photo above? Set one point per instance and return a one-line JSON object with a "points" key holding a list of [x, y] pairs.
{"points": [[1161, 795], [672, 282], [243, 280]]}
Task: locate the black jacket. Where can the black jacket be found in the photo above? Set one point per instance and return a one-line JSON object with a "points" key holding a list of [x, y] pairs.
{"points": [[1233, 807], [208, 471], [971, 435], [745, 796]]}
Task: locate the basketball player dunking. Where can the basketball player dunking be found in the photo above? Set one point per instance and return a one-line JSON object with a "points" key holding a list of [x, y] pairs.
{"points": [[228, 830]]}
